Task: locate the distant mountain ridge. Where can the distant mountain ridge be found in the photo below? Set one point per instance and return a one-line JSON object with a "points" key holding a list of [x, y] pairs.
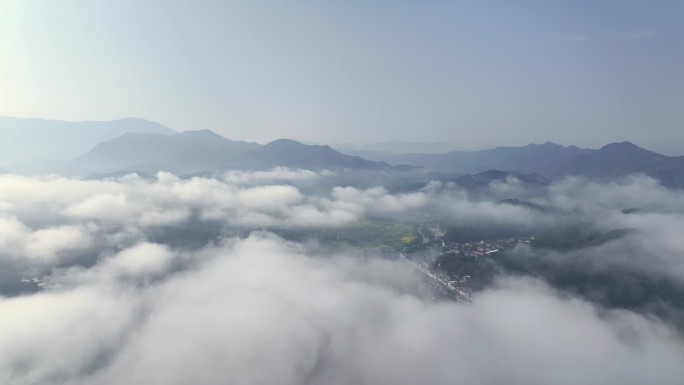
{"points": [[290, 153], [618, 159], [185, 152], [499, 158], [31, 146], [37, 140], [197, 151], [397, 147], [553, 161], [216, 141]]}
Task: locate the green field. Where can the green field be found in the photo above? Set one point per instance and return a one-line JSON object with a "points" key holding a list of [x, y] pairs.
{"points": [[373, 235]]}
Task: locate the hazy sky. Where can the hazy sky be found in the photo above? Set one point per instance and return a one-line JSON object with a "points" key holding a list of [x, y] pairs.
{"points": [[472, 73]]}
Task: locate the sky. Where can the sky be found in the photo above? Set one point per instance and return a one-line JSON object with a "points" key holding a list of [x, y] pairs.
{"points": [[473, 74]]}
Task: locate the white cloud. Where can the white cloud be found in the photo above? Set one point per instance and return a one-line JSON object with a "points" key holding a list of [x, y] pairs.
{"points": [[47, 244], [115, 207], [278, 174], [147, 313], [262, 303], [145, 259]]}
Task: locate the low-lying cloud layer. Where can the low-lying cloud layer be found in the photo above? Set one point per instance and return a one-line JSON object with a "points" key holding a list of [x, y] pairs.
{"points": [[121, 305], [262, 311]]}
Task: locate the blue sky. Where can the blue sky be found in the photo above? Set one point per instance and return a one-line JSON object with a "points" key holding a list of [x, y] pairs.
{"points": [[471, 73]]}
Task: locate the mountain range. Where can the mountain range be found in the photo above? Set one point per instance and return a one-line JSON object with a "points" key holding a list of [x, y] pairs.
{"points": [[196, 151], [396, 147], [140, 145], [181, 153], [39, 140], [552, 161]]}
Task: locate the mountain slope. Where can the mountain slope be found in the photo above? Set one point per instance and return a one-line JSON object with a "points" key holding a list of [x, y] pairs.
{"points": [[553, 161], [196, 151], [37, 140], [615, 159], [214, 140], [396, 147], [500, 158], [187, 152], [290, 153]]}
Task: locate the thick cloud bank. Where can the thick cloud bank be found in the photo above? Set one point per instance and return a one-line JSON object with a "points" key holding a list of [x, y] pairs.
{"points": [[261, 311], [124, 302]]}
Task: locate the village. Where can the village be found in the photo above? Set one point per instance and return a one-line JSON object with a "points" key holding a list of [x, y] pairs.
{"points": [[424, 255]]}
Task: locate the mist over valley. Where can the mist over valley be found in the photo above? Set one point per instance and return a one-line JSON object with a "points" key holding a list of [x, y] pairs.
{"points": [[328, 267], [341, 192]]}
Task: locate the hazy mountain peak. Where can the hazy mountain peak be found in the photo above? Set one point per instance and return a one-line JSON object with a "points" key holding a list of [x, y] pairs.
{"points": [[37, 140], [629, 150], [289, 146], [205, 133], [547, 144], [131, 119], [621, 145], [212, 139], [400, 147], [291, 153], [288, 142]]}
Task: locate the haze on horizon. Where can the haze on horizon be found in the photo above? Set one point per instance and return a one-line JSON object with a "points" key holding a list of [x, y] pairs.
{"points": [[471, 74]]}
